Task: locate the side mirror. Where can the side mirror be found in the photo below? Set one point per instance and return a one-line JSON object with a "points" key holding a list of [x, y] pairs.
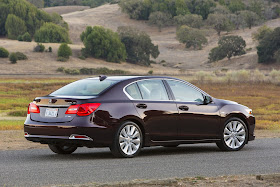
{"points": [[207, 99]]}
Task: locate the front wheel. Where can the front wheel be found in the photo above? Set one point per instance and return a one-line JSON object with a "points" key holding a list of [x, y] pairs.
{"points": [[62, 149], [235, 135], [127, 142]]}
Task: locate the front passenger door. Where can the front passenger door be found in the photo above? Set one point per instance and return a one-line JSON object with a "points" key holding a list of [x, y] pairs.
{"points": [[197, 120]]}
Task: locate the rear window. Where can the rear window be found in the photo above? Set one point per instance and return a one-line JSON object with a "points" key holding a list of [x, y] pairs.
{"points": [[85, 87]]}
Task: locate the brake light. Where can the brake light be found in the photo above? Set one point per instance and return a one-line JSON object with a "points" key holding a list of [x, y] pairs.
{"points": [[83, 109], [33, 108]]}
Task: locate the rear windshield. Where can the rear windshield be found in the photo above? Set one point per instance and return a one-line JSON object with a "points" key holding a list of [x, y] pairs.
{"points": [[85, 87]]}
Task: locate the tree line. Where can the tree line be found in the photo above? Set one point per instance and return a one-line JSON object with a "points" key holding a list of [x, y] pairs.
{"points": [[52, 3]]}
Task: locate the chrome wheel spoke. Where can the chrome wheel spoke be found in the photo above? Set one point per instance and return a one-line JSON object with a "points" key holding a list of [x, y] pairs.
{"points": [[234, 134], [129, 139]]}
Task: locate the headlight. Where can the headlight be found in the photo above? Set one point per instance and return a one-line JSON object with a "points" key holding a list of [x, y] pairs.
{"points": [[249, 111]]}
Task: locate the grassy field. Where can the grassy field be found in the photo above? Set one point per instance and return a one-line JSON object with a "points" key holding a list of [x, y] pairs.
{"points": [[263, 98]]}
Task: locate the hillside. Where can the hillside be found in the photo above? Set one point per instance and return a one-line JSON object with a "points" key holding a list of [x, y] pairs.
{"points": [[178, 59], [174, 53]]}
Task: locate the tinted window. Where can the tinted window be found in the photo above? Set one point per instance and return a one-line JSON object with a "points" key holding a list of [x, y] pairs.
{"points": [[85, 87], [183, 92], [152, 90], [133, 91]]}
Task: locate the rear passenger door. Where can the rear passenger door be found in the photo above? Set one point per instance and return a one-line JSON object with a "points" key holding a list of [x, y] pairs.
{"points": [[155, 107]]}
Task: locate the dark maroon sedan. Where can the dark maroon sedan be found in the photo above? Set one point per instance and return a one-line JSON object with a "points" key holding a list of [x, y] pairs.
{"points": [[127, 113]]}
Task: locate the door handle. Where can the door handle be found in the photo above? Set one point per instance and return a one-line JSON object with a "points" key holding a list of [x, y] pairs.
{"points": [[184, 108], [143, 106]]}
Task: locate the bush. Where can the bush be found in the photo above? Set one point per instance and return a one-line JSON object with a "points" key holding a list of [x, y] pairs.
{"points": [[139, 46], [104, 71], [4, 53], [136, 9], [277, 56], [52, 33], [39, 48], [26, 37], [60, 69], [72, 71], [150, 72], [21, 56], [160, 19], [228, 46], [64, 51], [50, 49], [191, 37], [103, 43], [262, 32], [62, 59], [19, 38], [268, 46], [191, 20], [13, 58], [14, 26]]}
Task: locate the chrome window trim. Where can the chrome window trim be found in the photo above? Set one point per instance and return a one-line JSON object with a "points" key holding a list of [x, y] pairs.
{"points": [[185, 82]]}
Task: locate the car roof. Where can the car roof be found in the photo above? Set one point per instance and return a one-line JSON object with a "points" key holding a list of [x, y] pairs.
{"points": [[121, 78]]}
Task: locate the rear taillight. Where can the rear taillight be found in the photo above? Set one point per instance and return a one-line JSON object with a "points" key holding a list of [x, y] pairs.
{"points": [[33, 108], [83, 109]]}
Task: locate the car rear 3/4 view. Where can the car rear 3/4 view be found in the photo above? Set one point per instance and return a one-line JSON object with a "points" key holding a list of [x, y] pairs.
{"points": [[127, 113]]}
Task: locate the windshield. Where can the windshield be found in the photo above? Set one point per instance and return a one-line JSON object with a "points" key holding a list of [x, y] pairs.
{"points": [[85, 87]]}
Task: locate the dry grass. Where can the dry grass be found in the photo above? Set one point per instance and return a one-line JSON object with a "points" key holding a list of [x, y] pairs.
{"points": [[65, 9], [263, 98]]}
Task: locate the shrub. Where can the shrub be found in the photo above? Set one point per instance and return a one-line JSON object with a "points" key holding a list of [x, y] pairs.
{"points": [[203, 76], [262, 32], [277, 56], [216, 54], [60, 69], [64, 51], [82, 57], [103, 43], [14, 26], [72, 71], [136, 9], [39, 48], [62, 59], [52, 33], [191, 20], [13, 58], [228, 46], [268, 46], [19, 38], [4, 53], [21, 56], [21, 113], [219, 22], [236, 5], [50, 49], [139, 46], [160, 19], [95, 71], [191, 37], [150, 72], [26, 37]]}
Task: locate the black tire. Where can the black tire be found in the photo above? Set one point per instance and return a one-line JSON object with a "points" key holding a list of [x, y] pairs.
{"points": [[62, 149], [222, 143], [116, 147]]}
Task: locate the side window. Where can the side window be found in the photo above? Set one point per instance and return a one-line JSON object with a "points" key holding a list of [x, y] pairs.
{"points": [[183, 92], [133, 91], [153, 90]]}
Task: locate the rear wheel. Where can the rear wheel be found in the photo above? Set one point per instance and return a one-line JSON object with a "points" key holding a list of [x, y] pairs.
{"points": [[127, 142], [235, 135], [62, 149]]}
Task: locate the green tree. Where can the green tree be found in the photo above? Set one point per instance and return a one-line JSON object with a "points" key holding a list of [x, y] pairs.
{"points": [[160, 19], [268, 46], [4, 53], [13, 58], [103, 43], [250, 18], [64, 51], [219, 22], [52, 33], [37, 3], [139, 46], [191, 20], [216, 54], [136, 9], [191, 37], [232, 46], [26, 37], [201, 7], [14, 26], [181, 7], [262, 32], [236, 5]]}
